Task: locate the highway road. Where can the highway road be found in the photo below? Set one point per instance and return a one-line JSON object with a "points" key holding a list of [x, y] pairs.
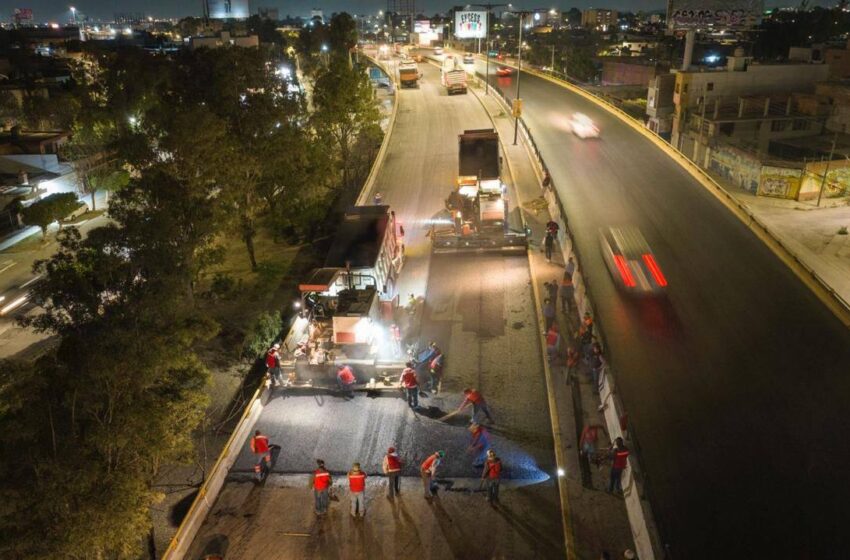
{"points": [[480, 310], [737, 383]]}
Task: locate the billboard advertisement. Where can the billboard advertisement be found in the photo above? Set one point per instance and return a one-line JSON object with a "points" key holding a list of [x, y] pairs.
{"points": [[716, 14], [22, 16], [422, 26], [470, 25]]}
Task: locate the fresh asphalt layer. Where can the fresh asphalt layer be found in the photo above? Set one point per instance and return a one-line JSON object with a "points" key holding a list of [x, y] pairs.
{"points": [[478, 308], [737, 382]]}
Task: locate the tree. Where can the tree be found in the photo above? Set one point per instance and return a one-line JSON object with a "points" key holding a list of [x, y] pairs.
{"points": [[50, 209], [342, 33], [345, 108]]}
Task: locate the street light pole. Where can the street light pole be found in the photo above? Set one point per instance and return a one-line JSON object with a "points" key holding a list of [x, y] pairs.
{"points": [[489, 8], [518, 75]]}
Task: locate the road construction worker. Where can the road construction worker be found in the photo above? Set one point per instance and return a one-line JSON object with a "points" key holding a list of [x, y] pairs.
{"points": [[428, 471], [474, 398], [260, 447], [357, 486], [321, 487], [410, 384], [273, 365], [620, 454], [436, 372], [392, 468], [479, 444], [345, 379], [492, 476], [379, 198]]}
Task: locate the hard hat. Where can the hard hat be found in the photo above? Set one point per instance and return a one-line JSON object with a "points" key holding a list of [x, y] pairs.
{"points": [[441, 453], [276, 346]]}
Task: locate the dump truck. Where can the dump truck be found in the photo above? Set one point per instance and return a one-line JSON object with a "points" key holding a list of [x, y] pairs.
{"points": [[408, 74], [453, 76], [477, 217]]}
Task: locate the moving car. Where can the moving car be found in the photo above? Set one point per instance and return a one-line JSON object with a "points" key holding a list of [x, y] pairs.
{"points": [[468, 58], [631, 261], [438, 51], [583, 127], [504, 71]]}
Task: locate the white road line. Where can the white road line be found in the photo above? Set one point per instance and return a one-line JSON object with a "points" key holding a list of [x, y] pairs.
{"points": [[30, 281], [8, 266]]}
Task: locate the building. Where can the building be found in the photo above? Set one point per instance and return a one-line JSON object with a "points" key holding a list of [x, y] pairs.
{"points": [[626, 71], [222, 39], [603, 20], [226, 9], [659, 104]]}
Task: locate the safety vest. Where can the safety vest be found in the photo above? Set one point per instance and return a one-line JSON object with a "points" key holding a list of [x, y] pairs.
{"points": [[357, 481], [408, 378], [346, 376], [474, 397], [260, 444], [321, 479], [393, 463], [620, 456], [271, 359], [493, 469], [429, 462]]}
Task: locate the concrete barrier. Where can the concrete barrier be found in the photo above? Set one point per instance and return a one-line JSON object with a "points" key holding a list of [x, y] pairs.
{"points": [[210, 489], [644, 532]]}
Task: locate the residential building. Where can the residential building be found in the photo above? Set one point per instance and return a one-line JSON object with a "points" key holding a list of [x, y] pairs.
{"points": [[602, 20], [659, 104]]}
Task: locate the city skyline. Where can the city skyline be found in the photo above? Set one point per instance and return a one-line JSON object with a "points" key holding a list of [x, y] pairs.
{"points": [[55, 11]]}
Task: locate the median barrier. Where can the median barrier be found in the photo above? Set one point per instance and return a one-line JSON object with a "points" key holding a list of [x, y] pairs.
{"points": [[643, 528], [214, 482]]}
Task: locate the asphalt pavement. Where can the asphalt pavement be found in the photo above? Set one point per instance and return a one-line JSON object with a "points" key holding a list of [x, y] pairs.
{"points": [[736, 382], [480, 310]]}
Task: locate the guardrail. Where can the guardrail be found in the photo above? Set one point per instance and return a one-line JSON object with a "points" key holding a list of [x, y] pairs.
{"points": [[641, 520], [832, 299], [212, 485]]}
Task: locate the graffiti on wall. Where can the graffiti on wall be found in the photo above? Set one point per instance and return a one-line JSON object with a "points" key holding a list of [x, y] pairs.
{"points": [[780, 182], [740, 168]]}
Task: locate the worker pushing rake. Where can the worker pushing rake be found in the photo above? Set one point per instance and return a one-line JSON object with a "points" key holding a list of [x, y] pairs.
{"points": [[479, 407]]}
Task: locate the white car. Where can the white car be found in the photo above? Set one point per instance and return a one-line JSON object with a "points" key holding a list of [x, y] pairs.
{"points": [[631, 261], [438, 51], [583, 127]]}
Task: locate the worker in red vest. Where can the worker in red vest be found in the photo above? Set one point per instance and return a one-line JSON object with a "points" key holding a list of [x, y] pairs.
{"points": [[410, 384], [492, 476], [260, 448], [392, 468], [345, 380], [428, 471], [357, 486], [273, 365], [620, 455], [474, 398], [321, 487]]}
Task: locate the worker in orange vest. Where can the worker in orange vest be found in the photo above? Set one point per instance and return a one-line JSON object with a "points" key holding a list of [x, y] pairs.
{"points": [[392, 468], [428, 471], [474, 398], [345, 379], [357, 486], [260, 448], [410, 384], [321, 487], [491, 476]]}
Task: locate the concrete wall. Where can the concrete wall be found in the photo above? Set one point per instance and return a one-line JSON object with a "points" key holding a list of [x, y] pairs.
{"points": [[739, 167], [620, 72]]}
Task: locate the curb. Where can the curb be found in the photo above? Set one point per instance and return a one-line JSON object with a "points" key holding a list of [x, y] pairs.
{"points": [[560, 461], [382, 152]]}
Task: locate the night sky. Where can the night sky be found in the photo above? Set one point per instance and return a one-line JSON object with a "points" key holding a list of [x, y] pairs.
{"points": [[57, 10]]}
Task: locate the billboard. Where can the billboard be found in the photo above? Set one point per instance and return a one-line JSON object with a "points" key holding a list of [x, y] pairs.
{"points": [[717, 14], [470, 25], [22, 16], [422, 26]]}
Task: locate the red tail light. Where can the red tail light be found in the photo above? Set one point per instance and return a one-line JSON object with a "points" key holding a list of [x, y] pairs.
{"points": [[655, 269], [625, 272]]}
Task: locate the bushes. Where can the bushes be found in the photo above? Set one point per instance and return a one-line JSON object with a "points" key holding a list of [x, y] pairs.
{"points": [[265, 331]]}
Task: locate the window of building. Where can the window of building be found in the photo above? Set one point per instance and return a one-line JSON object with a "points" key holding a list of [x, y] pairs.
{"points": [[727, 128], [778, 126], [685, 89], [801, 124], [709, 86]]}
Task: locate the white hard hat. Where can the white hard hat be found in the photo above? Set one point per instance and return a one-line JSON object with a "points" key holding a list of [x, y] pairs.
{"points": [[629, 554]]}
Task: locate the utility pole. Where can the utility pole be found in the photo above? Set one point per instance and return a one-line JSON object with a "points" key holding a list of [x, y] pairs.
{"points": [[828, 162], [489, 8], [518, 75]]}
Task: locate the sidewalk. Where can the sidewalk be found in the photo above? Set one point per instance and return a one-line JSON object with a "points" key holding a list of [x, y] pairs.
{"points": [[811, 233], [598, 519]]}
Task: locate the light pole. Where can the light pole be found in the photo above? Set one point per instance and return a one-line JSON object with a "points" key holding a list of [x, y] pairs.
{"points": [[517, 98], [826, 170], [489, 8]]}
